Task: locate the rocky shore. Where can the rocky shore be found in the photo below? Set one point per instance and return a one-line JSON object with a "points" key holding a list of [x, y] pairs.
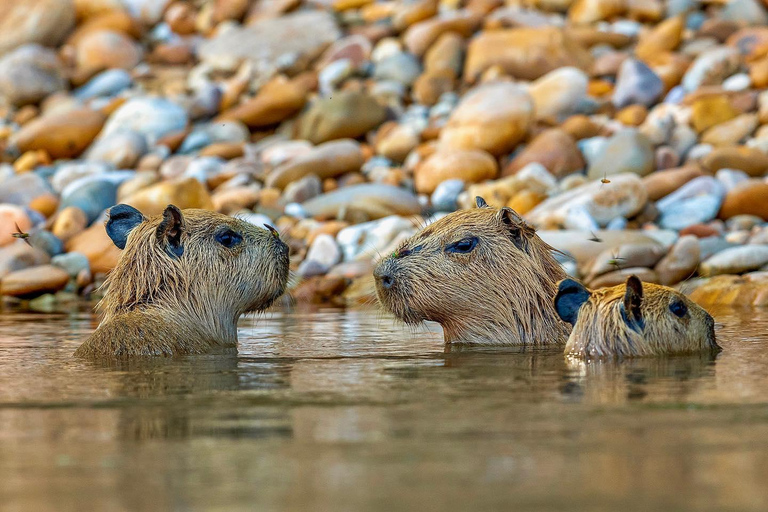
{"points": [[633, 134]]}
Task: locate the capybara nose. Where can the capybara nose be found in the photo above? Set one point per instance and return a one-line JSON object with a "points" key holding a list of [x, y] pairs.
{"points": [[384, 277]]}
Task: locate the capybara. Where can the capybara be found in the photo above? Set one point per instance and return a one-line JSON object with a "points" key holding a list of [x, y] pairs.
{"points": [[182, 281], [632, 320]]}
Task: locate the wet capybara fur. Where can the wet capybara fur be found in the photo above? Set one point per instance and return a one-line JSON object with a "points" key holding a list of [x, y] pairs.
{"points": [[632, 320], [482, 273], [183, 280]]}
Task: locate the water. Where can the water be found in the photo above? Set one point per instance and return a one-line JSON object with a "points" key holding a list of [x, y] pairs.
{"points": [[347, 410]]}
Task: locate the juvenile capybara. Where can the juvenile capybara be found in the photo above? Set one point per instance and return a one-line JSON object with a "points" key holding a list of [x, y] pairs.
{"points": [[632, 320], [183, 280], [482, 273]]}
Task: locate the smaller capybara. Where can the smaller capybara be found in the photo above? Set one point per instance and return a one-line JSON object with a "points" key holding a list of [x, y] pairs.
{"points": [[183, 280], [483, 274], [632, 320]]}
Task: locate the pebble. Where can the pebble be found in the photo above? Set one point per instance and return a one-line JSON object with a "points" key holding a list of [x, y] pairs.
{"points": [[492, 117], [555, 149], [12, 219], [52, 21], [182, 192], [344, 115], [326, 160], [304, 189], [711, 68], [33, 282], [371, 200], [735, 260], [697, 201], [469, 166], [61, 134], [681, 261], [628, 151], [746, 198], [22, 189], [70, 221], [92, 197], [446, 195], [400, 67], [559, 93], [363, 241], [323, 254], [636, 83], [30, 73], [154, 118], [618, 277], [626, 255], [121, 149], [105, 84]]}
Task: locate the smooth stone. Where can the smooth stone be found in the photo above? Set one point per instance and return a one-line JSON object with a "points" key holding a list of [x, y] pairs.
{"points": [[696, 202], [183, 193], [750, 160], [396, 143], [370, 199], [93, 197], [326, 160], [30, 73], [524, 53], [12, 219], [46, 242], [98, 50], [33, 282], [105, 84], [303, 189], [681, 261], [746, 198], [94, 243], [204, 168], [745, 12], [710, 111], [151, 117], [554, 149], [559, 93], [470, 166], [618, 277], [69, 221], [662, 183], [579, 246], [420, 36], [711, 68], [366, 240], [743, 222], [72, 263], [636, 83], [728, 290], [61, 134], [446, 195], [731, 132], [20, 255], [401, 67], [323, 254], [493, 117], [627, 255], [344, 115], [69, 172], [46, 22], [275, 102], [272, 44], [628, 151], [624, 197], [21, 189], [735, 260], [121, 149], [578, 218]]}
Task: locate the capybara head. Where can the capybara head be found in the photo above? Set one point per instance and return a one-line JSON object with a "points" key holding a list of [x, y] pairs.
{"points": [[482, 273], [632, 320], [193, 261]]}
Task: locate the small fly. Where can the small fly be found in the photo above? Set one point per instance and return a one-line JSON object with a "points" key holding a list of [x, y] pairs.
{"points": [[595, 238], [605, 179], [21, 235]]}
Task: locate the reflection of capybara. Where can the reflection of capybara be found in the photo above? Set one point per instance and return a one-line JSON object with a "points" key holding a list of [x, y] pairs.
{"points": [[183, 281], [633, 320], [482, 273]]}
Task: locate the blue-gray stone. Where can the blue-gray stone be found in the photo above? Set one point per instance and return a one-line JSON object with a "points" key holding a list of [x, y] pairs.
{"points": [[446, 195], [72, 262], [92, 196], [106, 83], [401, 67], [636, 83], [696, 202], [47, 242]]}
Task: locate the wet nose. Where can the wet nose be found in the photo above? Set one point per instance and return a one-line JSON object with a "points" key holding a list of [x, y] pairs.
{"points": [[384, 277]]}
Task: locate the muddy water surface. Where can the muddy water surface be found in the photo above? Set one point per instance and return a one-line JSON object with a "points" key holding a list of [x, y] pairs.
{"points": [[347, 410]]}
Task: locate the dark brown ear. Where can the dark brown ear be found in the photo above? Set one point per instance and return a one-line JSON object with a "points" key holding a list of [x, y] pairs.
{"points": [[516, 226], [170, 230], [633, 300], [480, 202]]}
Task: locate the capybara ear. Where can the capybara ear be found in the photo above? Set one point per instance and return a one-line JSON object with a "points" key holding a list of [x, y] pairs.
{"points": [[480, 202], [633, 300], [517, 227], [170, 230], [122, 219], [570, 296]]}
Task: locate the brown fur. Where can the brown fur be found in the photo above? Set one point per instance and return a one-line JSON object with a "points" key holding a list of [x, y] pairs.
{"points": [[500, 293], [606, 325], [159, 304]]}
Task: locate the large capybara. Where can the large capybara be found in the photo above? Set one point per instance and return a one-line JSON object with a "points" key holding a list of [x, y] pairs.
{"points": [[482, 273], [182, 282], [632, 320]]}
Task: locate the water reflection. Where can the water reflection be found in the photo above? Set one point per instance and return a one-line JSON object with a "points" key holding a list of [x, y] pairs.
{"points": [[348, 410]]}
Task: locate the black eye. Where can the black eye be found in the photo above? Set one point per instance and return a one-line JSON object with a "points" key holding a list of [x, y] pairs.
{"points": [[462, 246], [678, 308], [228, 238]]}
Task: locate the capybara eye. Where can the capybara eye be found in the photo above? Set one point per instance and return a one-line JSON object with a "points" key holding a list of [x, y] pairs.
{"points": [[229, 238], [678, 308], [462, 246]]}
